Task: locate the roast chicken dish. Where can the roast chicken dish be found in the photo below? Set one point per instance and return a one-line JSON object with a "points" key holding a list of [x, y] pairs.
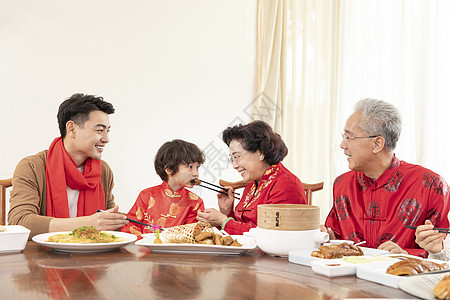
{"points": [[337, 251], [412, 266]]}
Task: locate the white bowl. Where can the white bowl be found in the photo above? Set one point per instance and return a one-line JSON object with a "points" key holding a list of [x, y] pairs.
{"points": [[14, 239], [280, 242]]}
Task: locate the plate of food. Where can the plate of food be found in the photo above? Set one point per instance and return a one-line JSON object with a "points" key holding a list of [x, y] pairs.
{"points": [[334, 251], [84, 240], [196, 238], [389, 273]]}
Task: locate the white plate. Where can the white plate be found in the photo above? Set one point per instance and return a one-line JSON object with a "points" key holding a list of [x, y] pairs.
{"points": [[376, 272], [84, 248], [421, 286], [248, 243], [303, 256]]}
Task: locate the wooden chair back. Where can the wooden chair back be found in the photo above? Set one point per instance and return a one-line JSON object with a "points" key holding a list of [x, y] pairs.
{"points": [[309, 187], [4, 183]]}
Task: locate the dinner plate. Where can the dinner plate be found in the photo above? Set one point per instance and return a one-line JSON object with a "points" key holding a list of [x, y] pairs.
{"points": [[421, 286], [376, 272], [303, 256], [42, 239], [248, 243]]}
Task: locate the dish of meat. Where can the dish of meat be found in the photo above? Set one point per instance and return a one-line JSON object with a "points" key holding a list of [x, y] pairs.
{"points": [[413, 266], [337, 251], [376, 272], [303, 256]]}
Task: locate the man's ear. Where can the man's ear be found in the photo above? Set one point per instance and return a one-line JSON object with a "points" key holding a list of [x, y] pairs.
{"points": [[71, 128], [378, 144]]}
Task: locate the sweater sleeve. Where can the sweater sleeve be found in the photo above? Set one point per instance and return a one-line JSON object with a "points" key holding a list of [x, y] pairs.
{"points": [[27, 197], [108, 185]]}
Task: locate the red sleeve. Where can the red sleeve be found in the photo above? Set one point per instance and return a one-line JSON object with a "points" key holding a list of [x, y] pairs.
{"points": [[192, 216], [238, 228], [136, 213]]}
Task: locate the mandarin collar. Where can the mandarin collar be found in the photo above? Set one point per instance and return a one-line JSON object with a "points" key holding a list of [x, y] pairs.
{"points": [[384, 177]]}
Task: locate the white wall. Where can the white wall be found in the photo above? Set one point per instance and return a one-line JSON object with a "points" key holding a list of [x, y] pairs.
{"points": [[173, 69]]}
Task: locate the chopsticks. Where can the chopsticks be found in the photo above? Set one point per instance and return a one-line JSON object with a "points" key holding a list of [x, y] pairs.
{"points": [[131, 220], [217, 188], [443, 230]]}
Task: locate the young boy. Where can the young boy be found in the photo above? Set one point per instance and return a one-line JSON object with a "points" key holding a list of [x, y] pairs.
{"points": [[169, 204]]}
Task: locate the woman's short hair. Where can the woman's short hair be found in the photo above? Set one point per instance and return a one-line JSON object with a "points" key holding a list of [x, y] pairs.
{"points": [[258, 135], [380, 118], [171, 154]]}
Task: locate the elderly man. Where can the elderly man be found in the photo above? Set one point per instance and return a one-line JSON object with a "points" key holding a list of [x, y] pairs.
{"points": [[61, 188], [381, 194]]}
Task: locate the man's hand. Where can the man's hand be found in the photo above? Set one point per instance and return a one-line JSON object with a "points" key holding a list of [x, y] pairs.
{"points": [[110, 219], [392, 247], [429, 239], [329, 231]]}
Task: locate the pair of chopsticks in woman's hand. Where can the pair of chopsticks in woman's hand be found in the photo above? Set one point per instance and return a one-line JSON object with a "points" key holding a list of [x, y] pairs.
{"points": [[217, 188], [131, 220], [443, 230]]}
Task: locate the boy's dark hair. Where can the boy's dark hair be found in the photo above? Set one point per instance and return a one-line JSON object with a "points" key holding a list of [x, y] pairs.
{"points": [[171, 154], [78, 107], [258, 135]]}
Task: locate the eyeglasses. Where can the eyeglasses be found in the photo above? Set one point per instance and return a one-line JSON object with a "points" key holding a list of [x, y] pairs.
{"points": [[346, 137], [234, 158]]}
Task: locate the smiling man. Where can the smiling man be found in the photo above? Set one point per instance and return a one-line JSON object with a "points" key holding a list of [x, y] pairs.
{"points": [[61, 188], [381, 194]]}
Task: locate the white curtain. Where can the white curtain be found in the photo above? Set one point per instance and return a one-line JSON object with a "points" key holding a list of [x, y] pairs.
{"points": [[317, 58]]}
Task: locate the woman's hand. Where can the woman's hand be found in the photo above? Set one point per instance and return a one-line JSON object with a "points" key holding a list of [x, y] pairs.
{"points": [[429, 239], [226, 202], [211, 216]]}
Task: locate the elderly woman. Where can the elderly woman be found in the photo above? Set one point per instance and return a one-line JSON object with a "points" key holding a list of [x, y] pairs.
{"points": [[256, 152]]}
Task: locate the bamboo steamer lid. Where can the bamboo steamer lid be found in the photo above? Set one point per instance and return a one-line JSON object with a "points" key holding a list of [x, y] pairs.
{"points": [[288, 217]]}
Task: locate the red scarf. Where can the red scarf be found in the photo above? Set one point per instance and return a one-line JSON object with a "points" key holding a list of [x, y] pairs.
{"points": [[61, 171]]}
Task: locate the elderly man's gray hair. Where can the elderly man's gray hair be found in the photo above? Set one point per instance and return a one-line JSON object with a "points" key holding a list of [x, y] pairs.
{"points": [[380, 118]]}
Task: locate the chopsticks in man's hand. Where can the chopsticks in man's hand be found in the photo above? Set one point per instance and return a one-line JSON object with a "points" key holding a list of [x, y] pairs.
{"points": [[131, 220], [443, 230], [217, 188]]}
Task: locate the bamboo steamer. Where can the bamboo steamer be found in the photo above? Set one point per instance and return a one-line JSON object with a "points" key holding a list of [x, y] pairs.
{"points": [[296, 217]]}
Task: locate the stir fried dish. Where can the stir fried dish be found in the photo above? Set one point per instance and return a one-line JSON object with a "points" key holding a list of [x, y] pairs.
{"points": [[85, 235]]}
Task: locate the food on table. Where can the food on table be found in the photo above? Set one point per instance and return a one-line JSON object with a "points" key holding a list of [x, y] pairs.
{"points": [[367, 259], [2, 229], [411, 266], [197, 233], [442, 288], [337, 251], [85, 235]]}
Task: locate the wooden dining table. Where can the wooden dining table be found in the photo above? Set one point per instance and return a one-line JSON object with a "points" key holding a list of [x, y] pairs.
{"points": [[135, 272]]}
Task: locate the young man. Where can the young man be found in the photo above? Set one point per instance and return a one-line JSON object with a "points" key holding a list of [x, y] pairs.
{"points": [[61, 188], [381, 194]]}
